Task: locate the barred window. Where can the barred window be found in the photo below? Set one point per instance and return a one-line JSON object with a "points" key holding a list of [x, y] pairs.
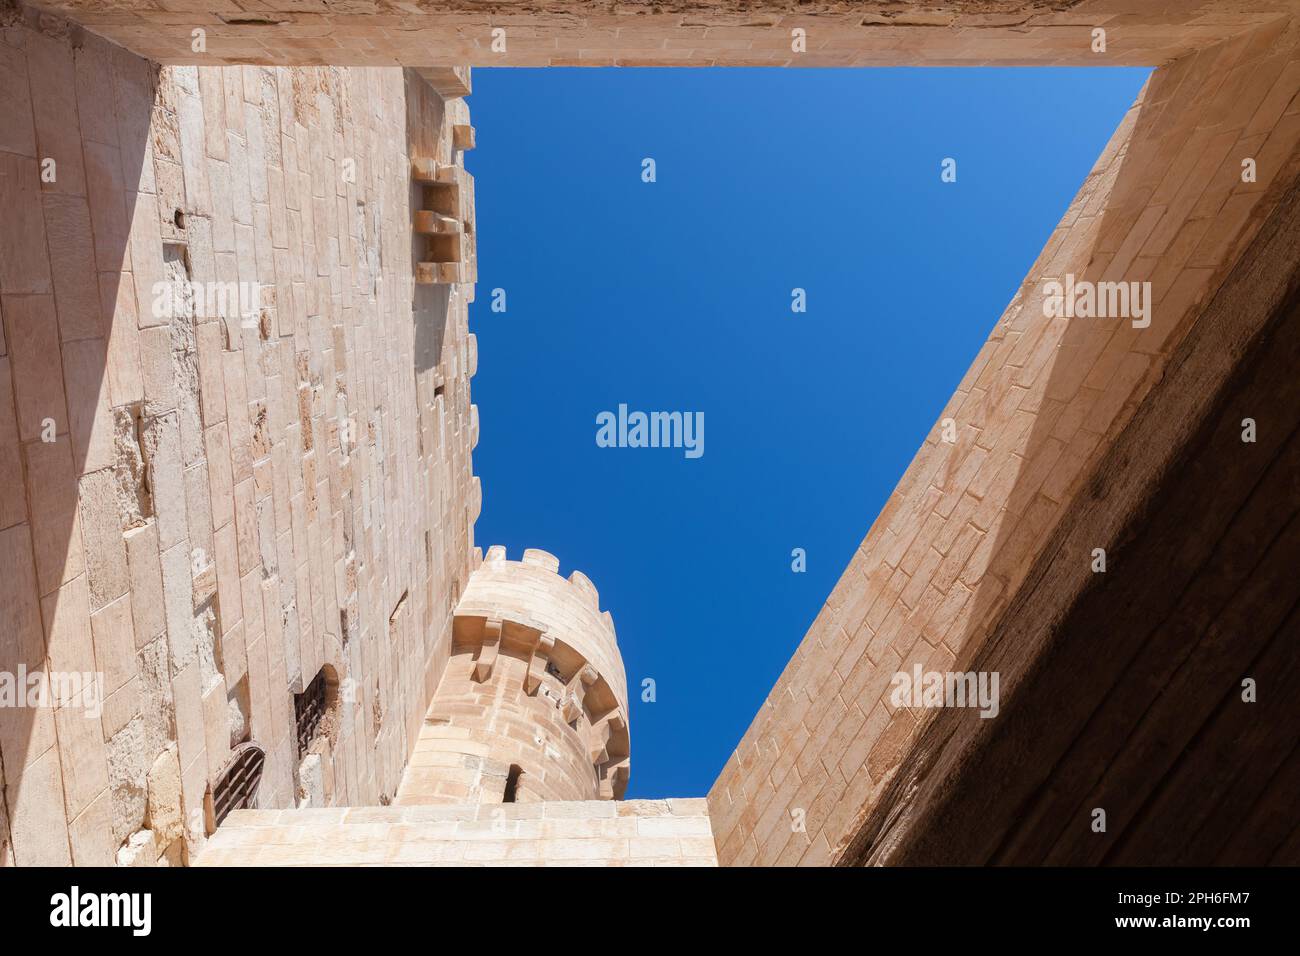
{"points": [[309, 711], [236, 789]]}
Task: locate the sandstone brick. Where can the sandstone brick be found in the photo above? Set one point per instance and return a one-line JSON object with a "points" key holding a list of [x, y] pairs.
{"points": [[240, 429], [118, 319], [178, 604], [91, 834], [113, 632], [17, 131], [33, 340], [94, 91], [216, 726], [55, 521], [122, 705], [52, 80], [82, 757], [228, 587], [198, 515], [233, 654], [102, 532], [194, 154], [140, 850], [24, 733], [161, 440], [190, 737], [72, 265], [13, 504], [165, 802], [127, 754], [146, 257], [37, 822], [147, 606]]}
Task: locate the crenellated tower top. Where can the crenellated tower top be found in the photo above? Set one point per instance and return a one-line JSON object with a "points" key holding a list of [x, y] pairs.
{"points": [[533, 704]]}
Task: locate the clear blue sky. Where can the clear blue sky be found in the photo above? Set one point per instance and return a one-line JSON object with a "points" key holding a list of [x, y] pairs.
{"points": [[675, 295]]}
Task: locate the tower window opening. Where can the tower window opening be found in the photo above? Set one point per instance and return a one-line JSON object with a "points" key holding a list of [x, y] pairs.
{"points": [[512, 783], [309, 710]]}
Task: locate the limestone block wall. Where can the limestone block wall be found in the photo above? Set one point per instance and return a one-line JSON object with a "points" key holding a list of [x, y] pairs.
{"points": [[1166, 203], [672, 33], [210, 507], [594, 833], [533, 704]]}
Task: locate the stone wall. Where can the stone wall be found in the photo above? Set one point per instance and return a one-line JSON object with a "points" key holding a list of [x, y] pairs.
{"points": [[674, 33], [209, 506], [592, 833], [1041, 403]]}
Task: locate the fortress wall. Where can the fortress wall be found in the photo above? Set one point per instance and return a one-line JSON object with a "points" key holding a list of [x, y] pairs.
{"points": [[208, 511], [1041, 403], [672, 33]]}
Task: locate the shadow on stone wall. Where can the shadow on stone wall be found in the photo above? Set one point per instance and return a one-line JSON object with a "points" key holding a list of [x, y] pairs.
{"points": [[75, 257]]}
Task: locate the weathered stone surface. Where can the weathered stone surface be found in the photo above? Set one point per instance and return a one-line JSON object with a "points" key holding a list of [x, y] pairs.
{"points": [[165, 806], [311, 782], [140, 849], [127, 767], [101, 529]]}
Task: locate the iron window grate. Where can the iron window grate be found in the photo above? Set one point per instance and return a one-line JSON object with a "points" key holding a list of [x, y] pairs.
{"points": [[308, 711], [237, 787]]}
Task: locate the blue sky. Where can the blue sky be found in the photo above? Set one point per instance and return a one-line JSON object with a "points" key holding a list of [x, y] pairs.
{"points": [[676, 296]]}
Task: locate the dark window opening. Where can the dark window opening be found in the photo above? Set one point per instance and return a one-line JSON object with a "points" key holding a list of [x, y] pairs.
{"points": [[394, 619], [512, 784], [309, 711]]}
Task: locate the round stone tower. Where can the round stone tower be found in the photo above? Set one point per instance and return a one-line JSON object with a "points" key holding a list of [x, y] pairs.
{"points": [[533, 702]]}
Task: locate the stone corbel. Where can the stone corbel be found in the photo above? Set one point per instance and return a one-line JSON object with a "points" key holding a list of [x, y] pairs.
{"points": [[487, 651], [462, 136], [537, 663], [614, 781], [576, 692], [601, 732]]}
